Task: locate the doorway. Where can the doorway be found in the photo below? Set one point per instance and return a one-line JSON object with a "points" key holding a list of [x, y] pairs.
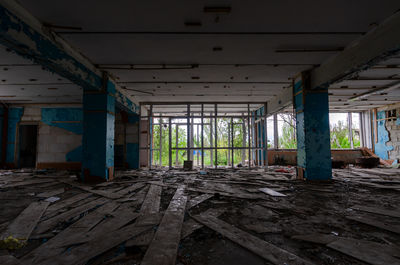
{"points": [[27, 145]]}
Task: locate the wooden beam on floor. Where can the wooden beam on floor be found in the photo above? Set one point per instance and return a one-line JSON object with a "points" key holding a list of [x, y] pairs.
{"points": [[260, 247], [163, 249]]}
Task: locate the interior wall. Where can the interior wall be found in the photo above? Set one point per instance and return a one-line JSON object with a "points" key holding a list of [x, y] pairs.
{"points": [[386, 132], [59, 139]]}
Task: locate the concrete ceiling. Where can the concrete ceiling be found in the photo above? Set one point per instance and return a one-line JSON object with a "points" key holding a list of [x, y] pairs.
{"points": [[178, 51]]}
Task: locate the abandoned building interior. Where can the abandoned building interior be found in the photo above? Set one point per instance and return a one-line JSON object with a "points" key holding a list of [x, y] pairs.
{"points": [[199, 132]]}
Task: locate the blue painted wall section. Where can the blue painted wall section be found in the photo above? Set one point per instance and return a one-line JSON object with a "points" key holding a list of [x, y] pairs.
{"points": [[381, 149], [69, 119], [132, 149], [313, 134], [14, 117], [98, 133]]}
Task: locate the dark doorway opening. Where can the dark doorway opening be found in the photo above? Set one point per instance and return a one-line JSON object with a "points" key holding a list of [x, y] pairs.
{"points": [[27, 145]]}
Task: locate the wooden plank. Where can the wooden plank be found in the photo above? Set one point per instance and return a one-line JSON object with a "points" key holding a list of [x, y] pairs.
{"points": [[272, 192], [369, 252], [72, 234], [375, 223], [163, 249], [150, 207], [104, 193], [368, 151], [52, 222], [262, 248], [130, 189], [377, 210], [197, 200], [28, 182], [50, 193], [9, 260], [151, 203], [104, 241], [316, 238], [190, 226], [22, 227], [209, 191], [67, 202], [48, 215]]}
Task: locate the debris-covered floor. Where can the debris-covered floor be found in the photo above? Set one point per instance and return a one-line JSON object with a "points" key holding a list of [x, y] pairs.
{"points": [[222, 216]]}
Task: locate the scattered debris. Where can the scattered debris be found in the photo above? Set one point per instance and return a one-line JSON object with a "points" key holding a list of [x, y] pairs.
{"points": [[190, 217]]}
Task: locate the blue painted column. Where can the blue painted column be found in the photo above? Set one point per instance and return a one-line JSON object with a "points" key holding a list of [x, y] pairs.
{"points": [[98, 133], [312, 128]]}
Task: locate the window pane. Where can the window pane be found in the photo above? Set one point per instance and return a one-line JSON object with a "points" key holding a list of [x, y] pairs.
{"points": [[287, 131], [356, 129], [339, 131]]}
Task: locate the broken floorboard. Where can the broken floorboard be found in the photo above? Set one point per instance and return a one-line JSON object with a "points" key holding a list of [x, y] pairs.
{"points": [[260, 247], [367, 251], [148, 214], [22, 227], [164, 246], [377, 223], [376, 210], [64, 217]]}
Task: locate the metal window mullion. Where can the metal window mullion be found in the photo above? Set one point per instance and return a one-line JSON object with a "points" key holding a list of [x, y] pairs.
{"points": [[232, 150], [350, 125], [169, 143], [216, 136], [248, 134], [188, 133], [202, 136]]}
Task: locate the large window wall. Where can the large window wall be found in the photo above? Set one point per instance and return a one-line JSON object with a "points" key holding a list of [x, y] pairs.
{"points": [[228, 135], [210, 135], [345, 130]]}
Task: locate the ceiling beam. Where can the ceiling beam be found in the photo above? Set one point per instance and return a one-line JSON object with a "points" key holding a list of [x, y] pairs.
{"points": [[25, 35], [377, 45]]}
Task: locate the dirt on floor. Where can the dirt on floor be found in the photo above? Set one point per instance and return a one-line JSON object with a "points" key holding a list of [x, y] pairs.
{"points": [[212, 216]]}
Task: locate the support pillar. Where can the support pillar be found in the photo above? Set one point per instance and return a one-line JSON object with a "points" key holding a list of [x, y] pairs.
{"points": [[313, 134], [98, 133], [132, 142]]}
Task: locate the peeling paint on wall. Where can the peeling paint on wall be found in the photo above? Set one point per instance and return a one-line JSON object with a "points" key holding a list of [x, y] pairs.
{"points": [[381, 147]]}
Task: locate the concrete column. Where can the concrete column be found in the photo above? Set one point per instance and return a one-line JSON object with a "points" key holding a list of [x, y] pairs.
{"points": [[98, 133], [132, 142], [313, 136]]}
